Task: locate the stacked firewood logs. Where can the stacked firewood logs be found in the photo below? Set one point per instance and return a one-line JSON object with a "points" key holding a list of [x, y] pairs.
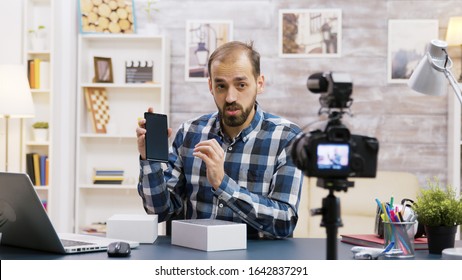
{"points": [[109, 16]]}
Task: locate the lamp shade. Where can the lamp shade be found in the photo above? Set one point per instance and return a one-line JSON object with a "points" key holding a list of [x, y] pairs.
{"points": [[454, 32], [428, 77], [15, 95]]}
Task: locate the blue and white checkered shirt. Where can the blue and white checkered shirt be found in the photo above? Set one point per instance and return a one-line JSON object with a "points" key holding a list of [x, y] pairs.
{"points": [[261, 186]]}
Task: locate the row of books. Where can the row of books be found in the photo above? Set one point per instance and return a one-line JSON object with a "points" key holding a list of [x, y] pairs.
{"points": [[37, 167], [108, 176], [38, 72]]}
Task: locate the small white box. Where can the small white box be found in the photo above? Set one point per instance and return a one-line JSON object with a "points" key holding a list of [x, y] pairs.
{"points": [[141, 228], [209, 234]]}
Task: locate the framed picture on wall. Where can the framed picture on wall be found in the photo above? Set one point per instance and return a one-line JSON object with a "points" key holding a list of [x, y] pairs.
{"points": [[202, 38], [310, 33], [103, 70], [407, 42]]}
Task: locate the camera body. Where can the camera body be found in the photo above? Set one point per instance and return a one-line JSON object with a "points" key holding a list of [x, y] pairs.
{"points": [[335, 153]]}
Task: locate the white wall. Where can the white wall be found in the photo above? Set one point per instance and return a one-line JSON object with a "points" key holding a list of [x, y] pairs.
{"points": [[64, 122], [10, 53], [65, 57], [11, 32]]}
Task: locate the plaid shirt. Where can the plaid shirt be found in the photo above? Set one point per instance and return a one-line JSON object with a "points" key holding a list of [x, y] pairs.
{"points": [[261, 186]]}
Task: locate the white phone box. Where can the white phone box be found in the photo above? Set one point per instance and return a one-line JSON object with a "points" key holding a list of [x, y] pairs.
{"points": [[209, 234], [141, 228]]}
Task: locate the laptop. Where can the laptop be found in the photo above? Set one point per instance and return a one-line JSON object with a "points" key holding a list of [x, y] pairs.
{"points": [[25, 223]]}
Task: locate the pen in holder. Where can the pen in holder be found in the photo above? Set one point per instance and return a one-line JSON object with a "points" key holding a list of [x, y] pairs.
{"points": [[402, 234], [407, 213]]}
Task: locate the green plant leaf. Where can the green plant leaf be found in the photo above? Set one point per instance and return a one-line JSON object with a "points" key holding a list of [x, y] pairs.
{"points": [[437, 205], [43, 125]]}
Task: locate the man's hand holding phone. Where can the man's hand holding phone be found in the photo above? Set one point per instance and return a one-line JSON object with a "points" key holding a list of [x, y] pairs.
{"points": [[152, 136]]}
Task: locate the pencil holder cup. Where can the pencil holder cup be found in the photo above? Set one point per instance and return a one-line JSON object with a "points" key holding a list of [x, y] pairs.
{"points": [[402, 235]]}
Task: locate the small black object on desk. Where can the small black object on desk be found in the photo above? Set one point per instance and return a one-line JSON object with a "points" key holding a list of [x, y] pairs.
{"points": [[118, 249]]}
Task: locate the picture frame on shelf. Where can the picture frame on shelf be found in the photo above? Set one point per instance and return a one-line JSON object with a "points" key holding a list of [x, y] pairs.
{"points": [[202, 38], [113, 17], [103, 70], [305, 33], [407, 43]]}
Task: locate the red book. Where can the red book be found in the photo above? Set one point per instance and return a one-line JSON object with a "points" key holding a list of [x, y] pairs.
{"points": [[373, 240]]}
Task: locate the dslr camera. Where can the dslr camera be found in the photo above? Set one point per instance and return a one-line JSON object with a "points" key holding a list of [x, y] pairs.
{"points": [[334, 153]]}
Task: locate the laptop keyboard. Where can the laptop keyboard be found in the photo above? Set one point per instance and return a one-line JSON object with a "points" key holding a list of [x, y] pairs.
{"points": [[70, 243]]}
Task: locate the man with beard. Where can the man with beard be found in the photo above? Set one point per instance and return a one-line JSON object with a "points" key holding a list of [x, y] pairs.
{"points": [[233, 164]]}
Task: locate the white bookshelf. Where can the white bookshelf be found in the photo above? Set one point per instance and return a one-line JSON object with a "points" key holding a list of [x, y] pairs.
{"points": [[454, 142], [39, 13], [116, 149]]}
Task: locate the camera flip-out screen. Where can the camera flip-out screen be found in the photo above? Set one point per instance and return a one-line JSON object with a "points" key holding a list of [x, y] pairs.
{"points": [[333, 157]]}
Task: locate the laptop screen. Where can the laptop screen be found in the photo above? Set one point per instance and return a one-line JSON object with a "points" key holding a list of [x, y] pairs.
{"points": [[23, 219]]}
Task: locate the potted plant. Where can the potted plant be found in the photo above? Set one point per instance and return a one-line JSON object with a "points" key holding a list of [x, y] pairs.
{"points": [[38, 38], [440, 211], [151, 27], [40, 130]]}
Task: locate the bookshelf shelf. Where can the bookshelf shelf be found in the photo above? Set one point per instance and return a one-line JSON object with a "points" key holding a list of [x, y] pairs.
{"points": [[40, 90], [42, 188], [109, 186], [39, 52], [116, 149], [39, 13], [94, 135], [122, 85], [35, 143]]}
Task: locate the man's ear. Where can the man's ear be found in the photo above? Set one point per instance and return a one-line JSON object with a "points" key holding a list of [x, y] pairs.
{"points": [[260, 84], [210, 85]]}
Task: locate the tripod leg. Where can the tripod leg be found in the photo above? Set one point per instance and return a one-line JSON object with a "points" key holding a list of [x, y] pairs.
{"points": [[331, 221]]}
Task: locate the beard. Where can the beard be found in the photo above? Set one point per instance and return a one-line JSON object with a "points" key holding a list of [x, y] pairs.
{"points": [[237, 120]]}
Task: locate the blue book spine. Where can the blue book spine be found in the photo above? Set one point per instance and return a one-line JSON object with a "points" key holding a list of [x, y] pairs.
{"points": [[42, 170]]}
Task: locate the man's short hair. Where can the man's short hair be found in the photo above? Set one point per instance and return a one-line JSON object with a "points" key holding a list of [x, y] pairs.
{"points": [[226, 49]]}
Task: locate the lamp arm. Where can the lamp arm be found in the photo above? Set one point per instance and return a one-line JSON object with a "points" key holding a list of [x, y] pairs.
{"points": [[454, 84]]}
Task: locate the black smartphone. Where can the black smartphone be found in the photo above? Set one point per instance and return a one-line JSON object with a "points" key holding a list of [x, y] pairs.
{"points": [[156, 140]]}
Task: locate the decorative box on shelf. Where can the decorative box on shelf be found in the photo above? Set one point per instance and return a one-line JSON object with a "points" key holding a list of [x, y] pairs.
{"points": [[139, 71]]}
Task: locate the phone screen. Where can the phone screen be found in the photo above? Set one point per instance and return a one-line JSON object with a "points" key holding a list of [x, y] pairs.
{"points": [[156, 140]]}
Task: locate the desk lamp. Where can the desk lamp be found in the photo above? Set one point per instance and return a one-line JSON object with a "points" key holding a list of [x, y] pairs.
{"points": [[15, 97], [429, 75], [454, 35]]}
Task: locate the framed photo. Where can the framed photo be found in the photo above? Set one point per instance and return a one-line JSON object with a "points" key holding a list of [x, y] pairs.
{"points": [[202, 38], [407, 43], [107, 17], [310, 33], [103, 70]]}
